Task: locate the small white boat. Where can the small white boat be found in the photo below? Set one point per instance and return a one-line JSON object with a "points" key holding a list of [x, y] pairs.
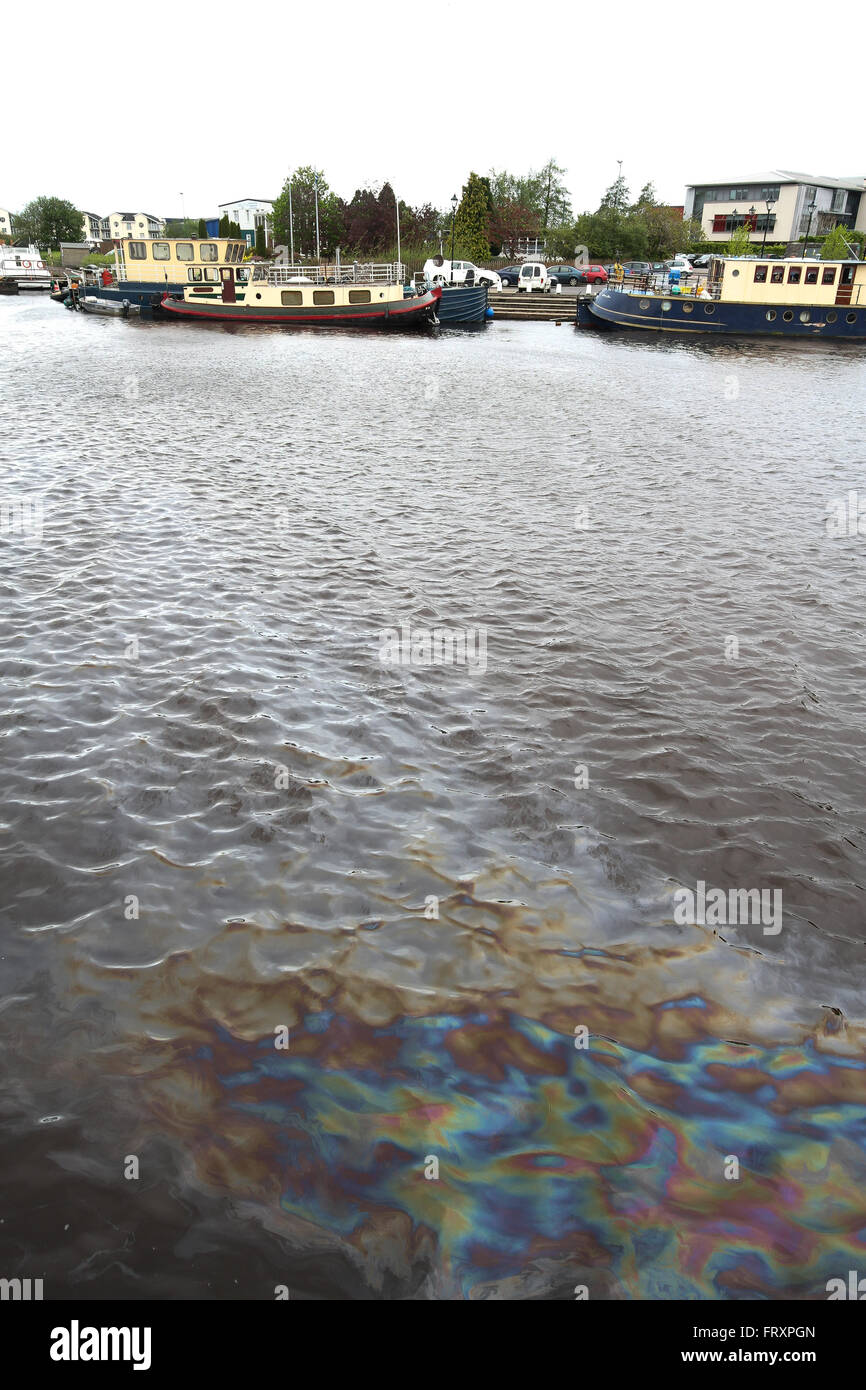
{"points": [[25, 266]]}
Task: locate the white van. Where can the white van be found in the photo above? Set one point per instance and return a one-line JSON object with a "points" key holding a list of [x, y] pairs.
{"points": [[534, 276]]}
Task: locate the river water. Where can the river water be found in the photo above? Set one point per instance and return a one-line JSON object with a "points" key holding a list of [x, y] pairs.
{"points": [[368, 980]]}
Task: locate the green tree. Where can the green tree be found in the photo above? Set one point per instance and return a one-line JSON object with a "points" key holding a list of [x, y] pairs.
{"points": [[202, 229], [617, 195], [332, 230], [47, 221], [224, 225], [472, 223], [837, 244], [261, 245], [740, 243], [555, 202]]}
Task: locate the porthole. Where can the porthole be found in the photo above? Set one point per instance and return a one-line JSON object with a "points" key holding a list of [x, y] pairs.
{"points": [[850, 318], [831, 317], [771, 314], [709, 308], [258, 296], [735, 272], [788, 315], [666, 306], [805, 316], [688, 308], [644, 304]]}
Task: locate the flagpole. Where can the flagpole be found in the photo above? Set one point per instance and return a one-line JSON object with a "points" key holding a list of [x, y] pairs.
{"points": [[316, 190], [397, 200], [291, 228]]}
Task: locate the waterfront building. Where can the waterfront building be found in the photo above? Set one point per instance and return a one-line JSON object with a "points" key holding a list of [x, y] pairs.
{"points": [[780, 205], [134, 224], [94, 228], [250, 214], [5, 222]]}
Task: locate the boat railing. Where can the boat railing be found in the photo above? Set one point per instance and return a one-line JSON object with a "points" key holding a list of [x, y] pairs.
{"points": [[352, 273], [658, 284]]}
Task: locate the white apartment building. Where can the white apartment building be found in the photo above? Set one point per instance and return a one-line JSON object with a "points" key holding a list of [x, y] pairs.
{"points": [[250, 214], [141, 225], [784, 205], [94, 228], [5, 222]]}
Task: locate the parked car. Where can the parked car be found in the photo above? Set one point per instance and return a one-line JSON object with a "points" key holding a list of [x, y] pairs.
{"points": [[534, 276], [438, 270], [701, 262], [631, 268], [578, 274], [509, 274]]}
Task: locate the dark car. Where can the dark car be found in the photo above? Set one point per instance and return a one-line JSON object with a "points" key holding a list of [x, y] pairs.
{"points": [[578, 274], [509, 275]]}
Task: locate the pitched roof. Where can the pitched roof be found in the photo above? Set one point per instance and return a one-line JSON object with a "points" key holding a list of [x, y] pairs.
{"points": [[856, 184]]}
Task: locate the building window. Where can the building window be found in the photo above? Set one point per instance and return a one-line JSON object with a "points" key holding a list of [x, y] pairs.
{"points": [[185, 251], [777, 275], [828, 276], [323, 296], [811, 275], [207, 252], [236, 218], [839, 199], [137, 251], [794, 275], [760, 275], [359, 296], [810, 194], [292, 297], [161, 251]]}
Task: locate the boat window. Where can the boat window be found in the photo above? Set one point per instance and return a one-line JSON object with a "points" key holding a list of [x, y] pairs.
{"points": [[185, 251], [359, 296], [211, 275], [644, 304], [242, 275], [666, 306], [777, 275], [794, 275], [788, 315], [850, 318], [831, 317], [688, 308], [709, 308], [812, 275], [227, 272], [194, 273], [207, 251], [292, 296], [760, 275], [323, 296], [829, 275], [805, 316], [161, 251], [771, 314], [137, 251]]}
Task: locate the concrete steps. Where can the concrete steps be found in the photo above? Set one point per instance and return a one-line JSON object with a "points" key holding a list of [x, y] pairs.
{"points": [[538, 307]]}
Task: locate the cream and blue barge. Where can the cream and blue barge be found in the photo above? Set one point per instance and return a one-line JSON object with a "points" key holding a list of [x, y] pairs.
{"points": [[746, 297]]}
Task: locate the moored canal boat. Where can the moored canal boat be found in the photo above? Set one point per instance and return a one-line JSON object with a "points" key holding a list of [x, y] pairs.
{"points": [[744, 296], [148, 268], [365, 296]]}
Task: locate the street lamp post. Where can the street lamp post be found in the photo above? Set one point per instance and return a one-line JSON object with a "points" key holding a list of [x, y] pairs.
{"points": [[453, 215], [809, 228], [769, 204]]}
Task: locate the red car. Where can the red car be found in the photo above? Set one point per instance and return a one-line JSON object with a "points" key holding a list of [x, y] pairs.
{"points": [[578, 274]]}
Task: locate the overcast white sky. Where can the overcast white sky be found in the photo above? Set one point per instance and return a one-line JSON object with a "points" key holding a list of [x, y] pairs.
{"points": [[220, 102]]}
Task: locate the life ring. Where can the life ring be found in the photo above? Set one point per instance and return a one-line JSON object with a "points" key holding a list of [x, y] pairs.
{"points": [[26, 265]]}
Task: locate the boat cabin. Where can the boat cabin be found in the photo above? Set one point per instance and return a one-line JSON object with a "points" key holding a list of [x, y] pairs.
{"points": [[177, 260], [745, 280]]}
